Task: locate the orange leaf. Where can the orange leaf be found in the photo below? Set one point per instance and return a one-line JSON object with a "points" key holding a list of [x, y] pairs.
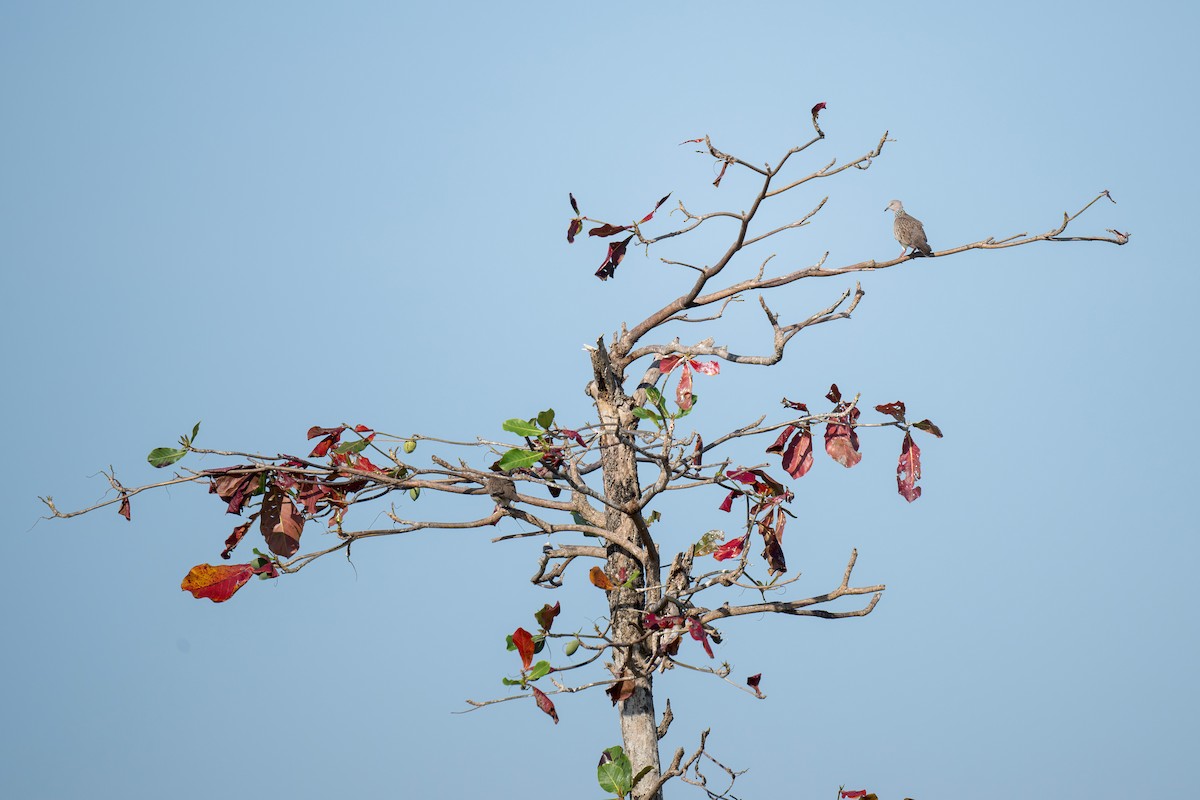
{"points": [[599, 579], [216, 583], [524, 643]]}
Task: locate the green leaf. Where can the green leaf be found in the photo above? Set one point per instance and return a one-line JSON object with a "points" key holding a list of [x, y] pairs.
{"points": [[511, 682], [352, 447], [165, 456], [655, 396], [539, 670], [521, 427], [195, 430], [546, 418], [708, 542], [517, 458], [633, 576], [615, 775], [641, 774]]}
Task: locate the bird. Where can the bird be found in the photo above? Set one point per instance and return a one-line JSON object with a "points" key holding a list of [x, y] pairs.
{"points": [[909, 231]]}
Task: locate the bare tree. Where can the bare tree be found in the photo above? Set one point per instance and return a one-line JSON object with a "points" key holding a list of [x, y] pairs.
{"points": [[591, 489]]}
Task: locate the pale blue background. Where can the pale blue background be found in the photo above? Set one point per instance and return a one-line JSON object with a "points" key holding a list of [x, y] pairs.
{"points": [[274, 215]]}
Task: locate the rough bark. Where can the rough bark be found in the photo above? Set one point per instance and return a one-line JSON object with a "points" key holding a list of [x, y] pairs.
{"points": [[639, 730]]}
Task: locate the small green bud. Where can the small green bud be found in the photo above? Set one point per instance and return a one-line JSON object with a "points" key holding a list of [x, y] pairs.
{"points": [[414, 492], [410, 445], [571, 647]]}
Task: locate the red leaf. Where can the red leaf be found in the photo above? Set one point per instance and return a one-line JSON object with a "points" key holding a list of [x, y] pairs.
{"points": [[657, 206], [616, 252], [817, 109], [731, 549], [654, 622], [707, 367], [741, 476], [124, 510], [797, 406], [753, 682], [908, 470], [841, 440], [727, 505], [697, 452], [855, 794], [895, 409], [221, 582], [314, 431], [574, 205], [700, 635], [667, 364], [928, 427], [798, 458], [599, 579], [234, 489], [310, 494], [777, 445], [546, 614], [573, 435], [363, 429], [689, 141], [281, 523], [683, 392], [835, 395], [621, 690], [544, 703], [573, 229], [524, 642], [607, 230], [234, 538]]}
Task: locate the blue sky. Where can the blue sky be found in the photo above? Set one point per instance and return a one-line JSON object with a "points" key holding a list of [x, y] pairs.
{"points": [[276, 215]]}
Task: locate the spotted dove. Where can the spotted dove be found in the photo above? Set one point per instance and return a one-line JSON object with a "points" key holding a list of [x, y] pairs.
{"points": [[909, 231]]}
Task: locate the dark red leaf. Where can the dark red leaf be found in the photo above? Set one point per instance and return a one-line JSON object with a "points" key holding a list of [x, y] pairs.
{"points": [[700, 635], [524, 643], [574, 205], [546, 614], [928, 427], [727, 505], [573, 435], [281, 523], [621, 690], [798, 457], [835, 395], [753, 682], [124, 510], [544, 703], [315, 431], [310, 494], [654, 622], [731, 549], [607, 230], [234, 538], [908, 470], [697, 452], [616, 252], [797, 406], [895, 409], [657, 206], [362, 429], [772, 534], [721, 174], [236, 490], [573, 229], [817, 109], [741, 476], [683, 392], [777, 445]]}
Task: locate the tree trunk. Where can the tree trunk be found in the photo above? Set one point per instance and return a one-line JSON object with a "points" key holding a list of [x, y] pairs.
{"points": [[639, 731]]}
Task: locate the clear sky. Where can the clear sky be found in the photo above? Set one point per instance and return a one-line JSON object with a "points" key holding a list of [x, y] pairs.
{"points": [[268, 216]]}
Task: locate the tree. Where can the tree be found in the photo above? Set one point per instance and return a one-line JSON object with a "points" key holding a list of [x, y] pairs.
{"points": [[592, 489]]}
